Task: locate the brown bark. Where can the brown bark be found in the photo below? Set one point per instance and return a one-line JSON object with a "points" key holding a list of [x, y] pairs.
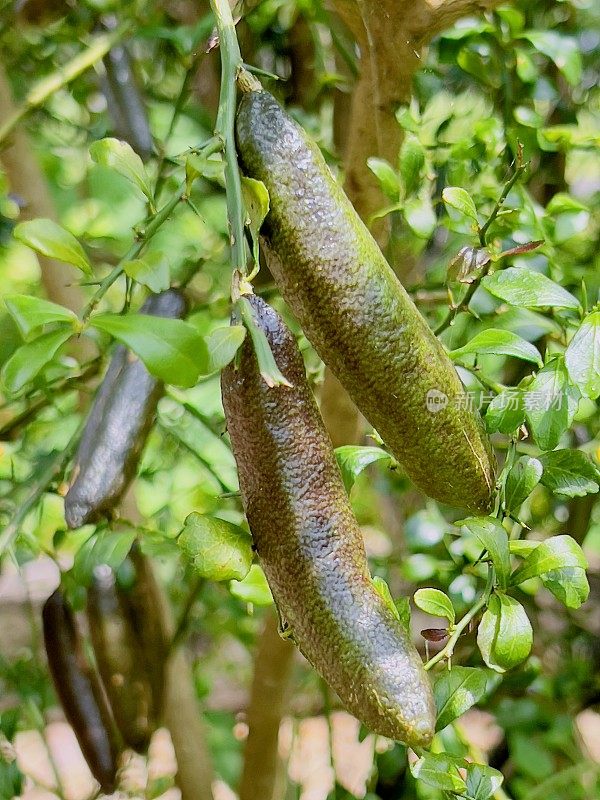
{"points": [[391, 35], [272, 670]]}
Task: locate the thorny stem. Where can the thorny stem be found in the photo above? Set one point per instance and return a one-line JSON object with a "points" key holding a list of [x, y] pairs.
{"points": [[521, 167], [62, 76], [65, 385], [448, 649], [133, 252], [179, 104], [483, 231], [231, 64]]}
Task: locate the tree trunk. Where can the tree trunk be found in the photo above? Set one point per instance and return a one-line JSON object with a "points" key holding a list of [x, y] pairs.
{"points": [[272, 669]]}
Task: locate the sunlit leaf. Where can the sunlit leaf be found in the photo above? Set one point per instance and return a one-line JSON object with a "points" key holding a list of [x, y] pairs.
{"points": [[51, 240]]}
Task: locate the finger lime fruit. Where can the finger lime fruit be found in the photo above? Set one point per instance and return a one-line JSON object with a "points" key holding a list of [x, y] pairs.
{"points": [[117, 427], [357, 314], [121, 660], [80, 691], [310, 546]]}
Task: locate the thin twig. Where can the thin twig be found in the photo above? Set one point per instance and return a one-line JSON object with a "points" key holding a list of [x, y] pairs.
{"points": [[500, 202], [54, 468], [155, 223], [483, 231], [231, 64], [448, 649], [183, 622], [62, 76], [179, 104]]}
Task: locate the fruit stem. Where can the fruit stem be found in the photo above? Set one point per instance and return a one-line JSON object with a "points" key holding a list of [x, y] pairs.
{"points": [[447, 651], [231, 64]]}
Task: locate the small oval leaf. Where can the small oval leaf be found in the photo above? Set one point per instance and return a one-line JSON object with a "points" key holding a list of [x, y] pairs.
{"points": [[524, 287], [222, 344], [435, 603], [30, 312], [30, 358], [52, 240], [171, 349], [216, 549], [499, 342], [120, 156], [461, 201]]}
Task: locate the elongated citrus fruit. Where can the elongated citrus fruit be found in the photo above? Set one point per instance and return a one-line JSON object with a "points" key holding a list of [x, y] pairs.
{"points": [[310, 546], [357, 314]]}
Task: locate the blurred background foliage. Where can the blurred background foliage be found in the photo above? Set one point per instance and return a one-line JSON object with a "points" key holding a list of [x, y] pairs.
{"points": [[525, 76]]}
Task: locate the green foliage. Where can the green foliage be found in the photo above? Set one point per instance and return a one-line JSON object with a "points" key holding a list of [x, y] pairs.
{"points": [[497, 156], [50, 239], [216, 549], [456, 691], [171, 349]]}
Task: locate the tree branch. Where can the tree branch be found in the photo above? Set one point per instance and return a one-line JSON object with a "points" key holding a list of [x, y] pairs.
{"points": [[272, 669], [391, 35]]}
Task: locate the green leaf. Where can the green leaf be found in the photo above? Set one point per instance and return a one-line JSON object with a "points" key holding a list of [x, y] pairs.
{"points": [[30, 312], [522, 547], [550, 404], [30, 358], [570, 473], [524, 287], [270, 372], [208, 448], [456, 691], [436, 603], [151, 271], [107, 547], [253, 589], [582, 356], [420, 216], [411, 161], [384, 172], [440, 771], [553, 553], [562, 50], [522, 479], [216, 549], [256, 202], [499, 342], [171, 349], [353, 459], [403, 611], [118, 155], [196, 165], [506, 412], [51, 240], [482, 781], [222, 344], [383, 590], [504, 635], [461, 201], [568, 584], [492, 537]]}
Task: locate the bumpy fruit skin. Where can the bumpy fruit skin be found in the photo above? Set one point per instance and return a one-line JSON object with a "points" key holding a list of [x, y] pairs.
{"points": [[118, 424], [310, 545], [80, 692], [121, 661], [144, 611], [358, 316]]}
